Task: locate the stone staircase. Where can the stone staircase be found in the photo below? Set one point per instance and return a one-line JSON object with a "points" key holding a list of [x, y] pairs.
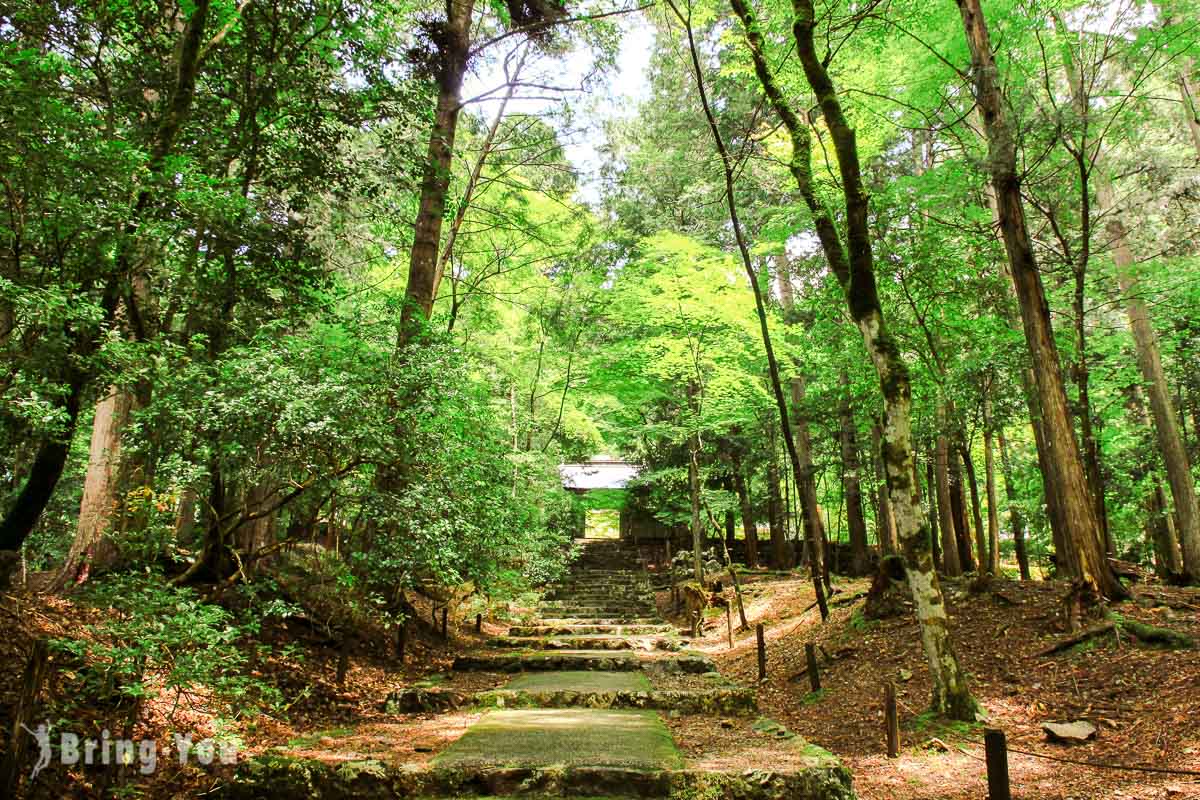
{"points": [[582, 704]]}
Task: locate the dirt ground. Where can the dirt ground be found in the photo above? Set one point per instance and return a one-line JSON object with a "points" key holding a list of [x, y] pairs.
{"points": [[1145, 701]]}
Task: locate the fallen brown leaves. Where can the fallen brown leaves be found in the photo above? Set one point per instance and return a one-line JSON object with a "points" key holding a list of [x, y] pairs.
{"points": [[1146, 702]]}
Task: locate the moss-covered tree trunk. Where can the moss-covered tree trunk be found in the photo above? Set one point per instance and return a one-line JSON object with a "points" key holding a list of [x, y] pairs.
{"points": [[885, 524]]}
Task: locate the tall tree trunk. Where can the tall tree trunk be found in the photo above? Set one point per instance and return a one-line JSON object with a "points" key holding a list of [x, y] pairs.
{"points": [[1084, 553], [93, 548], [749, 529], [185, 516], [1014, 510], [1029, 388], [1162, 407], [989, 475], [453, 44], [1087, 433], [727, 167], [854, 270], [1167, 559], [779, 544], [981, 545], [44, 474], [730, 517], [885, 524], [694, 491], [855, 520], [51, 458], [958, 507], [931, 482], [951, 565]]}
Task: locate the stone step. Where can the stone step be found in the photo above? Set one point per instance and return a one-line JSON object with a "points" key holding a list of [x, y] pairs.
{"points": [[608, 661], [577, 689], [601, 618], [588, 630], [571, 610], [274, 776], [584, 643], [609, 620]]}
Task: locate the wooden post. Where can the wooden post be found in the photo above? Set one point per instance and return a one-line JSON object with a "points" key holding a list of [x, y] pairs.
{"points": [[814, 677], [31, 687], [401, 641], [762, 652], [996, 750], [479, 623], [729, 625], [892, 721], [445, 613]]}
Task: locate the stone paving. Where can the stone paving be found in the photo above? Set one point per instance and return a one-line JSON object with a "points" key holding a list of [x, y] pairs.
{"points": [[582, 716]]}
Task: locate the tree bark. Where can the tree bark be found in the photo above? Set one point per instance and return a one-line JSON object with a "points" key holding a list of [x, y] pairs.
{"points": [[989, 474], [1029, 391], [854, 270], [44, 474], [958, 507], [981, 547], [694, 494], [855, 520], [1162, 407], [424, 273], [779, 559], [749, 529], [730, 517], [934, 505], [51, 458], [93, 548], [1084, 554], [1015, 518], [1167, 560], [727, 165], [951, 565], [885, 525]]}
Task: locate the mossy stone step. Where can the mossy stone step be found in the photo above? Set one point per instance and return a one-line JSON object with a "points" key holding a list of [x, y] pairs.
{"points": [[578, 689], [275, 777], [567, 737], [596, 612], [736, 701], [600, 620], [614, 661], [588, 630], [584, 643]]}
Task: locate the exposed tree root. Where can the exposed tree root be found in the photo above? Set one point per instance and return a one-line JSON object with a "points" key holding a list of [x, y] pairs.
{"points": [[1150, 634]]}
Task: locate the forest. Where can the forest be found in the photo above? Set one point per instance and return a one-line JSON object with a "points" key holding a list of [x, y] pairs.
{"points": [[888, 304]]}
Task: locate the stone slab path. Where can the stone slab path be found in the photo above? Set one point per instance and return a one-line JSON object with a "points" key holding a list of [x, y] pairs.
{"points": [[597, 682], [567, 737]]}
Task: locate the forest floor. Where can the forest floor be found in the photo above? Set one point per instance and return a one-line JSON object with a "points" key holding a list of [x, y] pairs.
{"points": [[1144, 701], [298, 665]]}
